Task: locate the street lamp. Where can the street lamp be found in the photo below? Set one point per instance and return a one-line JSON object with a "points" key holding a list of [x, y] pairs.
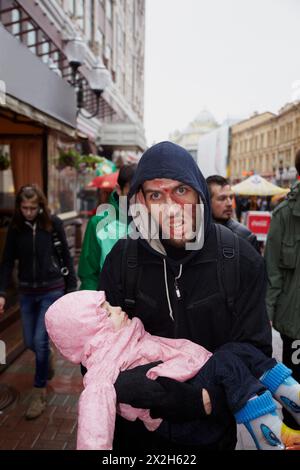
{"points": [[75, 50], [98, 77]]}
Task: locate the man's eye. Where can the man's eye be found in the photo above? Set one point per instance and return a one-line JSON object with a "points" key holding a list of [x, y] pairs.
{"points": [[155, 196], [181, 190]]}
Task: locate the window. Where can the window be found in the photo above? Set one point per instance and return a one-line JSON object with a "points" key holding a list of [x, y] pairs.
{"points": [[107, 53], [133, 72], [297, 127], [7, 192], [281, 133], [124, 42], [62, 183], [289, 130], [31, 37], [16, 16], [90, 20], [108, 9], [134, 21], [45, 49], [268, 169], [124, 85], [7, 204], [119, 35], [99, 40], [76, 10], [71, 7]]}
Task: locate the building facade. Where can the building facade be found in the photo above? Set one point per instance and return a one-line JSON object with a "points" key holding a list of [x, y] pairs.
{"points": [[41, 111], [189, 137], [266, 144], [47, 109], [114, 31]]}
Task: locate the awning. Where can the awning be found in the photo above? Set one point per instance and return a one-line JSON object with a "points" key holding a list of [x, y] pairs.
{"points": [[256, 185], [29, 80], [122, 136], [24, 109]]}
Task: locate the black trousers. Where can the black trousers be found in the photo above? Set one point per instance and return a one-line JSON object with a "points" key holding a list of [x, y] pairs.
{"points": [[231, 378], [287, 359]]}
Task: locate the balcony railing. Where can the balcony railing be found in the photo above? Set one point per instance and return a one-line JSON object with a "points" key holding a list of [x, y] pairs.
{"points": [[24, 28]]}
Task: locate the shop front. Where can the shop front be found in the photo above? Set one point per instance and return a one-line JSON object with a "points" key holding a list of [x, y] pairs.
{"points": [[37, 120]]}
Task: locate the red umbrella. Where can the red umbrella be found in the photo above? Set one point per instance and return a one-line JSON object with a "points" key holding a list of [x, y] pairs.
{"points": [[105, 181]]}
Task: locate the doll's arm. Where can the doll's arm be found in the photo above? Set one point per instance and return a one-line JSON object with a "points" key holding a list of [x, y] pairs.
{"points": [[96, 417]]}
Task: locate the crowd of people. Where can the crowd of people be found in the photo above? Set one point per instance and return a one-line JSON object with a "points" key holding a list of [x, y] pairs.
{"points": [[178, 275]]}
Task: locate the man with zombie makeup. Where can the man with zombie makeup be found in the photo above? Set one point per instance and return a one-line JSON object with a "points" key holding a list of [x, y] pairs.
{"points": [[178, 294]]}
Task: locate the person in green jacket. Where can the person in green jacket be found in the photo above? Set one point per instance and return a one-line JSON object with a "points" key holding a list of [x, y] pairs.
{"points": [[95, 246], [282, 256]]}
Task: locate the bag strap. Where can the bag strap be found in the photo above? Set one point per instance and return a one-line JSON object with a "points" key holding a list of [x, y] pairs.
{"points": [[59, 251], [130, 274], [228, 264], [228, 268]]}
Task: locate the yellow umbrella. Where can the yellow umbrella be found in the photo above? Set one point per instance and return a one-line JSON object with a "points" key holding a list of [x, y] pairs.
{"points": [[256, 185]]}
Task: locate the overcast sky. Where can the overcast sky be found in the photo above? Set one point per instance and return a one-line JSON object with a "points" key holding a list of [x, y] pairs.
{"points": [[232, 57]]}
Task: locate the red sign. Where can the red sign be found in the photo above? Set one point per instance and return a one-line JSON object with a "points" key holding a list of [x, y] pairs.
{"points": [[259, 223]]}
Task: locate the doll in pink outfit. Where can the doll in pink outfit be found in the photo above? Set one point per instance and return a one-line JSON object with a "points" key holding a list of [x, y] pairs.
{"points": [[87, 329]]}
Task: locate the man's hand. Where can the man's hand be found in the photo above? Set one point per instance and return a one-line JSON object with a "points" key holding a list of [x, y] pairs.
{"points": [[134, 388], [2, 304], [183, 402]]}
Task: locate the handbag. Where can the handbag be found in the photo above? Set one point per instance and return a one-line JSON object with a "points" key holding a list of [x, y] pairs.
{"points": [[59, 251]]}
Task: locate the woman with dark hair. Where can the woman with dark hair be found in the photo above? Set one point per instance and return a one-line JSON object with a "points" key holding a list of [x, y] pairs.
{"points": [[32, 240]]}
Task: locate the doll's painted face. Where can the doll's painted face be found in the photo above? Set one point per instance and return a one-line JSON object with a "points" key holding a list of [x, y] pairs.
{"points": [[118, 317]]}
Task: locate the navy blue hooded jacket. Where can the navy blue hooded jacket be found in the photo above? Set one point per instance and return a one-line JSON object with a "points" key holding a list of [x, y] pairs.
{"points": [[201, 314], [168, 160]]}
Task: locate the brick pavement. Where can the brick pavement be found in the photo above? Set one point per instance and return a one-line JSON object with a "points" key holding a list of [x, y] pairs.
{"points": [[56, 427]]}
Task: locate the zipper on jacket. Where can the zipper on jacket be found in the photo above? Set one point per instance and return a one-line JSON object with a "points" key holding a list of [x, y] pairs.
{"points": [[33, 228], [177, 290], [34, 254]]}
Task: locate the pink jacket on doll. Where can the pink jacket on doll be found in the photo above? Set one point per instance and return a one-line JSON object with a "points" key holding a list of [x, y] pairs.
{"points": [[82, 332]]}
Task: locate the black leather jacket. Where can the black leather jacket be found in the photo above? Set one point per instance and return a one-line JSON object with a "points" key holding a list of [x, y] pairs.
{"points": [[38, 265]]}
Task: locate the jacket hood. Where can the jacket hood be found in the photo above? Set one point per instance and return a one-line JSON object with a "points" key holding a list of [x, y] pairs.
{"points": [[78, 325], [74, 319], [169, 160]]}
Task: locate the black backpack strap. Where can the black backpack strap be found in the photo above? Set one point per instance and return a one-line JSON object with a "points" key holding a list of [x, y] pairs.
{"points": [[228, 264], [129, 275]]}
